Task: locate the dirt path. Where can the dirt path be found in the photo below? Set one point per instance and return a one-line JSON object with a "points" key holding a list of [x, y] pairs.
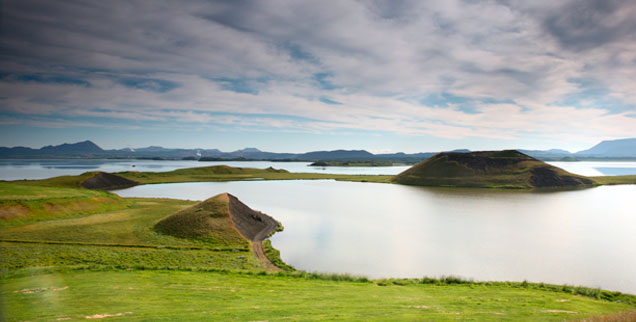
{"points": [[255, 226], [259, 250]]}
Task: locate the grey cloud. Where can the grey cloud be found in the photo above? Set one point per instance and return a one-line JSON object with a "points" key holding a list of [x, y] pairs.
{"points": [[279, 56], [588, 24]]}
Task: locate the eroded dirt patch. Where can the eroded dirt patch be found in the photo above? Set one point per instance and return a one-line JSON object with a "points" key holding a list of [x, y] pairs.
{"points": [[37, 290], [101, 316], [560, 311]]}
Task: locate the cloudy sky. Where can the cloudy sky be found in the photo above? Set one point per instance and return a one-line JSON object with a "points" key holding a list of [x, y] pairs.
{"points": [[296, 76]]}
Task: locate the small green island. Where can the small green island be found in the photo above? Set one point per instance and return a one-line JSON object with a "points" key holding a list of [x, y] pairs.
{"points": [[71, 250], [507, 169], [374, 163]]}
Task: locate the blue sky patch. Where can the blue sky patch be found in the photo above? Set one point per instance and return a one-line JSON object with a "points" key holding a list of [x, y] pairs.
{"points": [[297, 52], [593, 95], [445, 100], [238, 85], [324, 82], [149, 84], [329, 101], [44, 78]]}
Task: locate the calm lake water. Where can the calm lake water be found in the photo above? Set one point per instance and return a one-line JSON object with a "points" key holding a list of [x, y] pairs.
{"points": [[584, 237], [41, 169], [598, 168]]}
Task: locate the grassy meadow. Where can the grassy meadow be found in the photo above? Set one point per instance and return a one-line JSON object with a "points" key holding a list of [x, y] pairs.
{"points": [[106, 261], [45, 295], [23, 204]]}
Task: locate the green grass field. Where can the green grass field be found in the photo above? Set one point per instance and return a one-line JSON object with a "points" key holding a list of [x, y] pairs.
{"points": [[226, 296], [67, 263], [22, 204], [612, 180]]}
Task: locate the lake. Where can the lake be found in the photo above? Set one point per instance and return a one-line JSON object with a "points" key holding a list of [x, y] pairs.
{"points": [[12, 169], [16, 169], [583, 237], [598, 168]]}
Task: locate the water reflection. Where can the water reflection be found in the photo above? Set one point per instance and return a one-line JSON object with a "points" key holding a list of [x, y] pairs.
{"points": [[582, 237], [598, 168], [616, 171]]}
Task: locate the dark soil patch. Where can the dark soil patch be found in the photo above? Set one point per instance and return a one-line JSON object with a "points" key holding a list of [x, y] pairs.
{"points": [[544, 177], [484, 160], [253, 225], [107, 181]]}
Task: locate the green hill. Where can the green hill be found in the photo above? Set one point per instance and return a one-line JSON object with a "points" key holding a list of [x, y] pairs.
{"points": [[222, 219], [491, 169], [107, 181], [96, 180]]}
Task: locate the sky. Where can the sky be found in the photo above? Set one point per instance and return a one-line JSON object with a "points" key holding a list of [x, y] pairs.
{"points": [[298, 76]]}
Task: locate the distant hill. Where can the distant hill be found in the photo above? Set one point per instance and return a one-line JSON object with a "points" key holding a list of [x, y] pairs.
{"points": [[617, 149], [107, 181], [494, 169], [248, 150], [79, 149], [85, 147], [403, 157], [613, 148], [336, 155], [552, 154]]}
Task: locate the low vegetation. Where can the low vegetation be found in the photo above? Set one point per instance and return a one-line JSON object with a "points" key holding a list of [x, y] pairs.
{"points": [[18, 255], [377, 163], [273, 255], [234, 296], [22, 204], [612, 180]]}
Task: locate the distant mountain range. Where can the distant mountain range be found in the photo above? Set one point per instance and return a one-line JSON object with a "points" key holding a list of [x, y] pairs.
{"points": [[615, 149], [612, 149]]}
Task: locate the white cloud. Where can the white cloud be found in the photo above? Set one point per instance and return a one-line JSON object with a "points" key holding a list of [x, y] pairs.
{"points": [[381, 60]]}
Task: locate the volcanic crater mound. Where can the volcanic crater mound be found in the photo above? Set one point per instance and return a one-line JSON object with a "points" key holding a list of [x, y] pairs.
{"points": [[492, 169], [223, 218], [107, 181]]}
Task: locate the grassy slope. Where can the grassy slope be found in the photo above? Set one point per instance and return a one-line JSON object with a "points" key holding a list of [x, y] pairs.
{"points": [[208, 221], [61, 181], [120, 238], [21, 204], [215, 296], [612, 180]]}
